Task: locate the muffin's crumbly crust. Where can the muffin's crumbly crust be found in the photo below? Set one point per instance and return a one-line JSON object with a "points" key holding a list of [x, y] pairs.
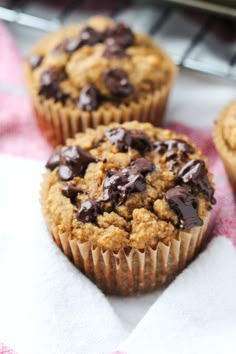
{"points": [[144, 219], [148, 68], [229, 127]]}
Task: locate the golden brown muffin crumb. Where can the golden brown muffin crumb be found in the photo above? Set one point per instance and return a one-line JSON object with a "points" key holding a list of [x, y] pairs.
{"points": [[128, 185]]}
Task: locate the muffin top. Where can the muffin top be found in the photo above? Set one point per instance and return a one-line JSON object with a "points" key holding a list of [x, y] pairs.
{"points": [[127, 185], [100, 63], [229, 127]]}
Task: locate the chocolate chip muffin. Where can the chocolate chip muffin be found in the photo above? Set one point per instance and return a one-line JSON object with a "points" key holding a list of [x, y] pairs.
{"points": [[128, 204], [224, 134], [102, 72]]}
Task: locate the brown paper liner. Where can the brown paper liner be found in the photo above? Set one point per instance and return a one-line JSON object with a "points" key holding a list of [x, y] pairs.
{"points": [[228, 156], [58, 123], [129, 270]]}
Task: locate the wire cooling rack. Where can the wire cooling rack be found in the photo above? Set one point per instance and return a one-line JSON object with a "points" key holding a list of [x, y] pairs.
{"points": [[196, 40]]}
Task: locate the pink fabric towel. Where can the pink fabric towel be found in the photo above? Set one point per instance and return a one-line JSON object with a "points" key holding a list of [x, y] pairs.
{"points": [[20, 136]]}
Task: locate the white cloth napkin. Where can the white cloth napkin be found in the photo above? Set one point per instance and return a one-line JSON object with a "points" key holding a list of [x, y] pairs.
{"points": [[48, 307]]}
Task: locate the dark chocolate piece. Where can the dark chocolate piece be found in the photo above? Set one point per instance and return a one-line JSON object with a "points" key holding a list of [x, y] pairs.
{"points": [[66, 172], [72, 161], [185, 205], [194, 173], [89, 210], [119, 137], [35, 61], [172, 147], [54, 160], [89, 98], [123, 139], [118, 185], [49, 85], [89, 36], [71, 191], [114, 51], [176, 152], [142, 166], [140, 141], [119, 34], [117, 82]]}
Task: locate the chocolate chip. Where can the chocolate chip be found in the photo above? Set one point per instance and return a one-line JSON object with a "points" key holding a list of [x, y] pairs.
{"points": [[121, 184], [89, 210], [185, 205], [117, 82], [35, 61], [54, 160], [173, 146], [119, 137], [194, 173], [71, 191], [123, 139], [118, 185], [89, 98], [140, 141], [68, 45], [89, 36], [176, 152], [114, 51], [77, 159], [65, 172], [142, 166], [119, 34], [72, 161], [49, 85]]}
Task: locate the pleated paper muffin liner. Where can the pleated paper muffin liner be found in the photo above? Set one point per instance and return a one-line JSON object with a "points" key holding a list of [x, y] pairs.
{"points": [[128, 270], [228, 156], [59, 122]]}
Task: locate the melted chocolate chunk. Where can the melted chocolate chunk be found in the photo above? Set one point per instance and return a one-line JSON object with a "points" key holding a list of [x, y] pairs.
{"points": [[194, 173], [117, 82], [71, 191], [120, 184], [119, 34], [72, 161], [35, 61], [89, 36], [66, 172], [142, 166], [176, 152], [114, 51], [89, 98], [49, 85], [69, 45], [54, 160], [140, 141], [172, 147], [123, 139], [89, 210], [185, 205], [119, 137]]}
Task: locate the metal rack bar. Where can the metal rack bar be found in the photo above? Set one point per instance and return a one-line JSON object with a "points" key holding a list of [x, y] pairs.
{"points": [[14, 12]]}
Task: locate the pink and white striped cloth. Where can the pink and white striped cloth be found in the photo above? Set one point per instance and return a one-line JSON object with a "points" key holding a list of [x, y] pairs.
{"points": [[20, 136]]}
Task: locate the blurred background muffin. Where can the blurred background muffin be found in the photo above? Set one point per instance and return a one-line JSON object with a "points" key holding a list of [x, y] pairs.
{"points": [[224, 134], [96, 73]]}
